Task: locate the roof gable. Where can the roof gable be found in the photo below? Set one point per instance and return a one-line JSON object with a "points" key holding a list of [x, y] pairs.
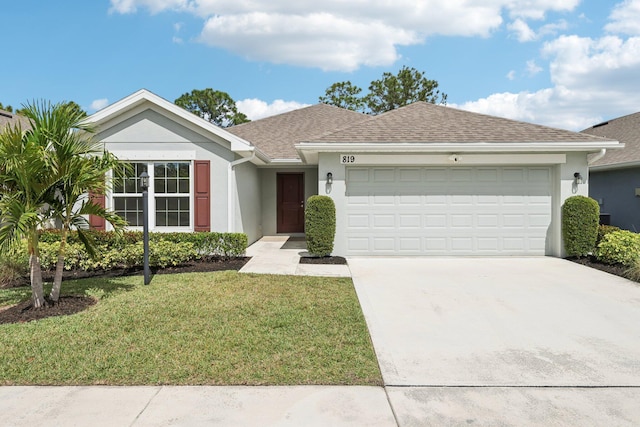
{"points": [[625, 129], [277, 135], [422, 122], [11, 119], [136, 101]]}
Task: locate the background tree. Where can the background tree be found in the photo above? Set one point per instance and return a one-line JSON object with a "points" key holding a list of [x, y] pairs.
{"points": [[344, 95], [8, 108], [212, 105], [387, 93]]}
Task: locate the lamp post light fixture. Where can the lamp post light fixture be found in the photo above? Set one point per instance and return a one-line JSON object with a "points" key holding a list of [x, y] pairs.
{"points": [[144, 183], [578, 178], [329, 178]]}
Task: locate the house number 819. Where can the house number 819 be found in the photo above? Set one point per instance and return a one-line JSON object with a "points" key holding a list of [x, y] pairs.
{"points": [[347, 159]]}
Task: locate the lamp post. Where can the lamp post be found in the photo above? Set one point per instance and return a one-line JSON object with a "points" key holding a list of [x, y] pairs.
{"points": [[144, 183]]}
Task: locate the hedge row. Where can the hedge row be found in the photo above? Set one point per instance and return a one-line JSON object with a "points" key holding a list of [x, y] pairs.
{"points": [[125, 250], [204, 243]]}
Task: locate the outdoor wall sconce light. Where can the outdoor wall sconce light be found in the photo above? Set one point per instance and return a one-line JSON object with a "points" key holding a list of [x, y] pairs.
{"points": [[577, 178], [329, 178]]}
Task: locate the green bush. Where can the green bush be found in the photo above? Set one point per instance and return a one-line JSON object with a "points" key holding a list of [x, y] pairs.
{"points": [[603, 230], [206, 244], [320, 225], [580, 219], [14, 265], [619, 247], [125, 250]]}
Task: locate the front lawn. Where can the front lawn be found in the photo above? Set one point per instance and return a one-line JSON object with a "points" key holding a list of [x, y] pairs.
{"points": [[196, 328]]}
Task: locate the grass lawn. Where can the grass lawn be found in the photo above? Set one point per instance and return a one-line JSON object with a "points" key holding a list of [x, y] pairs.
{"points": [[195, 328]]}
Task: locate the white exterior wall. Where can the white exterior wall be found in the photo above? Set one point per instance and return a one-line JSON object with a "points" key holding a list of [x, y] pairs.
{"points": [[576, 162], [563, 188], [248, 208], [148, 136], [269, 193]]}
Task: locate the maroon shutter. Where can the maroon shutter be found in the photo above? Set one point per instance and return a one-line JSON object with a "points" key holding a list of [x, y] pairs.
{"points": [[202, 215], [95, 222]]}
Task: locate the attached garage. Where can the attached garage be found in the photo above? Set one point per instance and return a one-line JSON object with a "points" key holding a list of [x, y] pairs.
{"points": [[448, 210], [429, 180]]}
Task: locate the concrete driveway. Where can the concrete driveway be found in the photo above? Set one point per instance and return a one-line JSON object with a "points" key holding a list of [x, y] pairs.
{"points": [[517, 336]]}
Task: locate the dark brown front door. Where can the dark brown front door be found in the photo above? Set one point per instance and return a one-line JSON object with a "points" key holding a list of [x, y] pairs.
{"points": [[290, 203]]}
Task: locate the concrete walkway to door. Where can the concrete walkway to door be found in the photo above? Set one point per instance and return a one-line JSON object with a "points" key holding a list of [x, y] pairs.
{"points": [[503, 341], [281, 255]]}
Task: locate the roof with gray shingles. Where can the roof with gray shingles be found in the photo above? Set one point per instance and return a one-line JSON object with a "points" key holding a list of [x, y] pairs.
{"points": [[625, 129], [9, 119], [277, 136], [422, 122]]}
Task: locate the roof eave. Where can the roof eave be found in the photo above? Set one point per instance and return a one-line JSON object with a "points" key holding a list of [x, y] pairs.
{"points": [[308, 151]]}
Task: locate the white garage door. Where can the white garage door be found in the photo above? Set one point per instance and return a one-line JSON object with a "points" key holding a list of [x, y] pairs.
{"points": [[448, 210]]}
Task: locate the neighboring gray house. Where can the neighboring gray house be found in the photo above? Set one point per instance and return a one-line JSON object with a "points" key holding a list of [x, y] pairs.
{"points": [[614, 179], [10, 119], [420, 180]]}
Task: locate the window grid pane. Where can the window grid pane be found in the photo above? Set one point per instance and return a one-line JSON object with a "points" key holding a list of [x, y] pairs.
{"points": [[172, 211], [129, 208], [128, 180], [171, 178]]}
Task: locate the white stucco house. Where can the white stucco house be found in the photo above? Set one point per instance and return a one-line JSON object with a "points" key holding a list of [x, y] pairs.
{"points": [[420, 180]]}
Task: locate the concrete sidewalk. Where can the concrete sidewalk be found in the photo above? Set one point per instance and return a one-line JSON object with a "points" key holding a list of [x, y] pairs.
{"points": [[281, 255], [195, 406]]}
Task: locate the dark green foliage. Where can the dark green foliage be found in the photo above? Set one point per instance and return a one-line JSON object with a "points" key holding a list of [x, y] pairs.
{"points": [[204, 243], [603, 230], [214, 106], [580, 219], [320, 225], [387, 93]]}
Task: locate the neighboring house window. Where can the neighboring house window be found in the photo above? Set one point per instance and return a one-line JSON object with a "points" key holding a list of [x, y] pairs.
{"points": [[127, 194], [170, 196]]}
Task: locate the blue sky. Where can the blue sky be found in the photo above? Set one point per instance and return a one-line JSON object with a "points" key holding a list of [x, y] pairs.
{"points": [[563, 63]]}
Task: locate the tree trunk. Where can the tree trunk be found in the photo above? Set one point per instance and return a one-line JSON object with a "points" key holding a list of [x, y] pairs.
{"points": [[37, 290], [57, 279]]}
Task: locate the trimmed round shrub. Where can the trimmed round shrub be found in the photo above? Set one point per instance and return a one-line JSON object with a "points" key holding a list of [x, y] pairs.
{"points": [[320, 225], [619, 247], [580, 219]]}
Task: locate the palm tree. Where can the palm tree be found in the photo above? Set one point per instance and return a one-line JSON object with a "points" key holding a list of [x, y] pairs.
{"points": [[56, 165], [25, 180]]}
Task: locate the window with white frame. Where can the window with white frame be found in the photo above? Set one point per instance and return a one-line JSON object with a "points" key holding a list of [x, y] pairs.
{"points": [[127, 193], [170, 197], [171, 184]]}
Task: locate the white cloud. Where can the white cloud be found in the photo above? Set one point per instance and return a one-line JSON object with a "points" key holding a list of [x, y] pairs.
{"points": [[343, 35], [256, 109], [511, 75], [98, 104], [533, 68], [522, 30], [592, 78], [625, 18]]}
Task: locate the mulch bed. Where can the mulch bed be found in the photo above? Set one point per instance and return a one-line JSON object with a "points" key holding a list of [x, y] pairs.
{"points": [[323, 260], [69, 304], [617, 269]]}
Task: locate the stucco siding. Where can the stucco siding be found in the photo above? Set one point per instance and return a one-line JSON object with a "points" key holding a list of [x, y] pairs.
{"points": [[615, 192], [248, 209], [149, 136]]}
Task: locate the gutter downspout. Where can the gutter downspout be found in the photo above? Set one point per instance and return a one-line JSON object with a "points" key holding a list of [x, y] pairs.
{"points": [[231, 200], [597, 157]]}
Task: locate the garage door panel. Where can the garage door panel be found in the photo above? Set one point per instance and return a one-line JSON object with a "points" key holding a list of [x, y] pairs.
{"points": [[462, 211]]}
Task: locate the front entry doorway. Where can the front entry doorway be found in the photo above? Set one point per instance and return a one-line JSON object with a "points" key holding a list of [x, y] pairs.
{"points": [[290, 204]]}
